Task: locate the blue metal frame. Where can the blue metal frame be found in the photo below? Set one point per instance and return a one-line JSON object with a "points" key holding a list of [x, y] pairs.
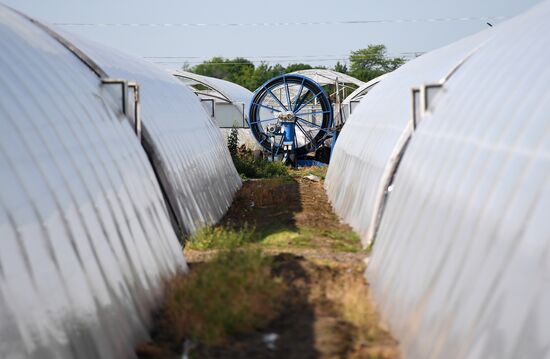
{"points": [[295, 105]]}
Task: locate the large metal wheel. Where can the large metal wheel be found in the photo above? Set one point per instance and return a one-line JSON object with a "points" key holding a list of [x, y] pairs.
{"points": [[291, 99]]}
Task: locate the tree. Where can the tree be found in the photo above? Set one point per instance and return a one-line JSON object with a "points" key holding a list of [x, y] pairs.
{"points": [[341, 68], [234, 70], [261, 74], [367, 64], [297, 67]]}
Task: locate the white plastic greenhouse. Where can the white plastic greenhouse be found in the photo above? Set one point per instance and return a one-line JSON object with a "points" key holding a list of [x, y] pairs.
{"points": [[445, 167], [227, 104], [339, 87], [187, 151], [96, 150], [354, 98]]}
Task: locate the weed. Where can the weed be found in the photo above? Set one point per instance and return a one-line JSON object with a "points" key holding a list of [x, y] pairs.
{"points": [[221, 237], [309, 237], [234, 293], [286, 238], [350, 294], [249, 167]]}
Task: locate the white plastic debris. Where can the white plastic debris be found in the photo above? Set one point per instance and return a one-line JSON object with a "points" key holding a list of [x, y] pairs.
{"points": [[269, 340], [313, 178]]}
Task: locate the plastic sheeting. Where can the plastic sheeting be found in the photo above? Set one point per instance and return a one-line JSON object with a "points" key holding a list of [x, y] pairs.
{"points": [[372, 139], [222, 94], [461, 263], [84, 232], [187, 149], [328, 77], [354, 98], [232, 92]]}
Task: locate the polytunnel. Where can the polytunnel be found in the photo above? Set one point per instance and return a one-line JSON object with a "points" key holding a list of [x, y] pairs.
{"points": [[373, 139], [461, 259], [339, 86], [187, 150], [328, 77], [354, 98], [85, 230], [226, 102]]}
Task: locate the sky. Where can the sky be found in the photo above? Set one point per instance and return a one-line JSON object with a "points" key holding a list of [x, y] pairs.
{"points": [[172, 32]]}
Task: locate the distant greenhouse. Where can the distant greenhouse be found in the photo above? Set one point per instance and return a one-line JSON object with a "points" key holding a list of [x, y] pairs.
{"points": [[445, 167], [353, 99], [338, 86], [226, 103], [103, 161]]}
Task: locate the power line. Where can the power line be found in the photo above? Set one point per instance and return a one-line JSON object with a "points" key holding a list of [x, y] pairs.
{"points": [[304, 23], [407, 53]]}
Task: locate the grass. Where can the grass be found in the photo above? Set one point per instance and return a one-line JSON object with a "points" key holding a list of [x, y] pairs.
{"points": [[285, 238], [338, 240], [221, 238], [234, 293], [350, 295]]}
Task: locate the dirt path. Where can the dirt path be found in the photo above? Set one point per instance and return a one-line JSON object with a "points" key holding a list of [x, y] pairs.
{"points": [[326, 312]]}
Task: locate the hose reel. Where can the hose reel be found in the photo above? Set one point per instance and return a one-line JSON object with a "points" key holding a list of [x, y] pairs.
{"points": [[291, 116]]}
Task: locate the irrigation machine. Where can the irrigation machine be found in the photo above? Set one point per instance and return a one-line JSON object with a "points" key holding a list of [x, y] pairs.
{"points": [[291, 117]]}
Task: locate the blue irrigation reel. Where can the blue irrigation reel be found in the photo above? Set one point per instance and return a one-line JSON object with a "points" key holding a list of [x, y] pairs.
{"points": [[291, 117]]}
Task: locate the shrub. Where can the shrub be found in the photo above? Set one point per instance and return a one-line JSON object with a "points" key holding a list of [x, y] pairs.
{"points": [[233, 141], [248, 167]]}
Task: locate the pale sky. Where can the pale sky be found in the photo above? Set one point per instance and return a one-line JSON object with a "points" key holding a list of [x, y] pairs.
{"points": [[195, 29]]}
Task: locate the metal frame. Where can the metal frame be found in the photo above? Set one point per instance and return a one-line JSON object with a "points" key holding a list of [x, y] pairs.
{"points": [[245, 123], [213, 105], [125, 85]]}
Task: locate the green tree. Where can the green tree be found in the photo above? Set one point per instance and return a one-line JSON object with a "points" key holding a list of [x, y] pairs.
{"points": [[297, 67], [369, 63], [341, 68], [365, 64], [261, 74], [234, 70]]}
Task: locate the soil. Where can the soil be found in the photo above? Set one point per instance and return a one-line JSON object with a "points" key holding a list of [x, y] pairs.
{"points": [[312, 324]]}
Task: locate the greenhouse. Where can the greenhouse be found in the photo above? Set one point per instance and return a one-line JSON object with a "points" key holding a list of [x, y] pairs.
{"points": [[444, 166], [227, 104], [188, 153], [338, 86], [100, 173], [354, 98]]}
